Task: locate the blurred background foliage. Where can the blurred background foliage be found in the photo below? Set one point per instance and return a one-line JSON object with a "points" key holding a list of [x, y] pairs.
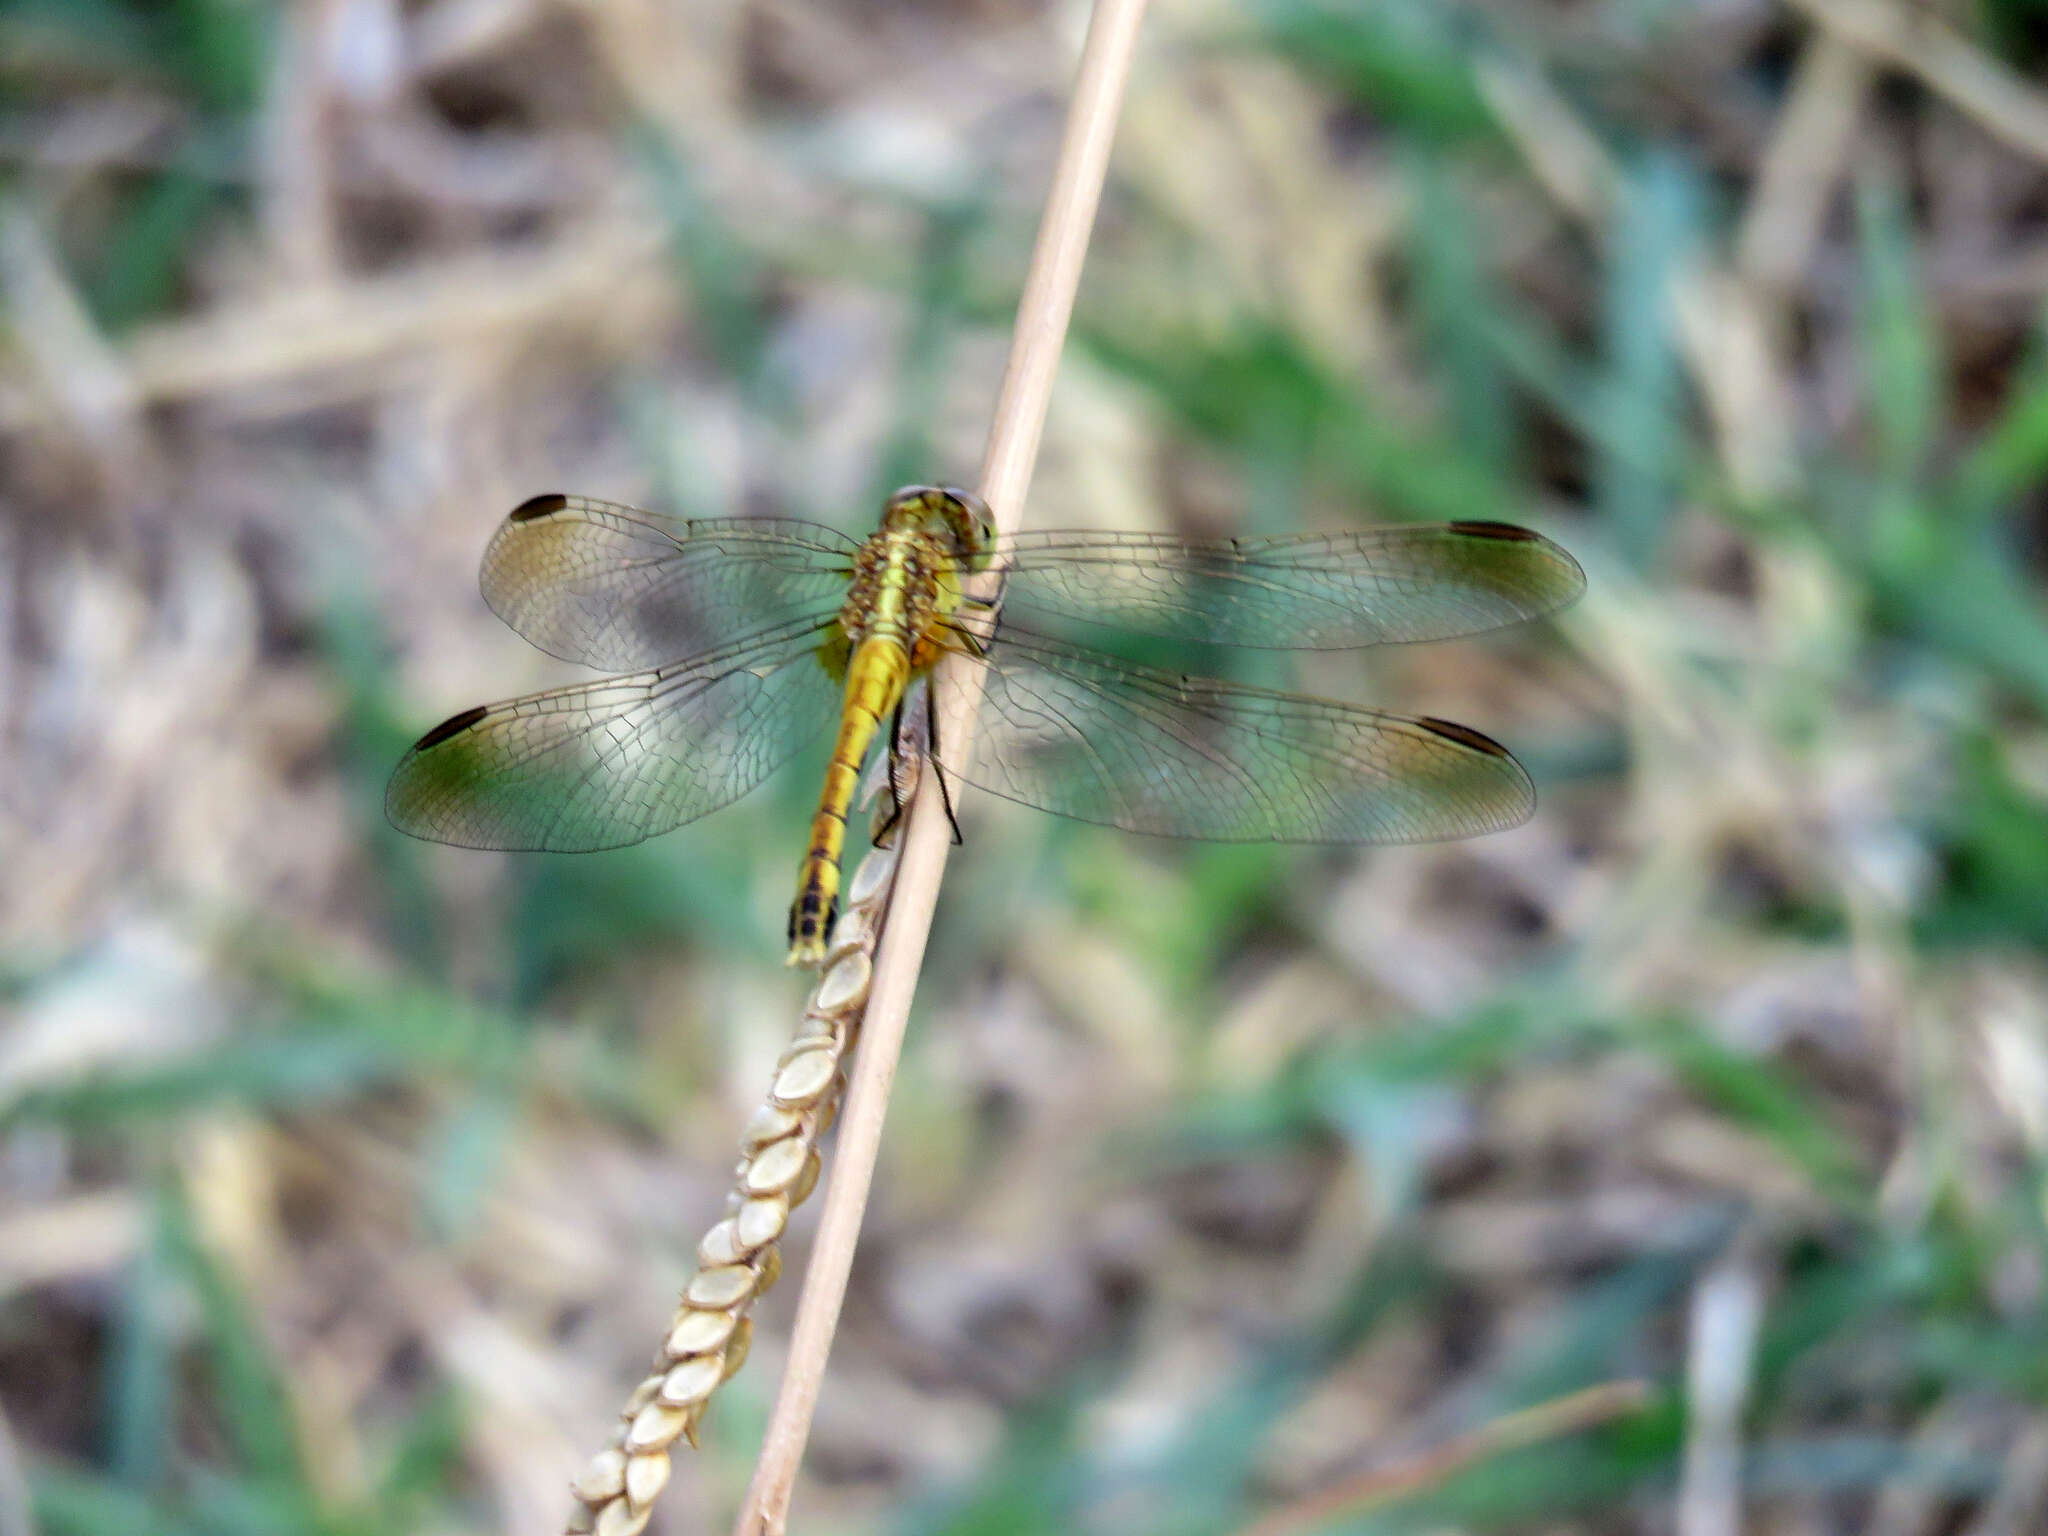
{"points": [[344, 1181]]}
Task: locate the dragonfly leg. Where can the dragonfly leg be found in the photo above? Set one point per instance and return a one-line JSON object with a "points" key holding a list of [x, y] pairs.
{"points": [[969, 600], [938, 772], [885, 830], [888, 827]]}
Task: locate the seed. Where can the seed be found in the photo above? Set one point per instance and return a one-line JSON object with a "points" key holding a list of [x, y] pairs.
{"points": [[736, 1352], [697, 1333], [692, 1381], [845, 985], [761, 1221], [655, 1427], [870, 876], [723, 1287], [807, 1180], [776, 1167], [720, 1246], [604, 1478], [848, 934], [646, 1476], [806, 1075], [767, 1124]]}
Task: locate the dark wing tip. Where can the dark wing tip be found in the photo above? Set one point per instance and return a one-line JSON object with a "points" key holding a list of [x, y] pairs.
{"points": [[454, 725], [543, 505], [1450, 730], [1572, 576], [1478, 528]]}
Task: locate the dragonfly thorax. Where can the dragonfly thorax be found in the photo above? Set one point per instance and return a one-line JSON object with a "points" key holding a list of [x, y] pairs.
{"points": [[904, 583]]}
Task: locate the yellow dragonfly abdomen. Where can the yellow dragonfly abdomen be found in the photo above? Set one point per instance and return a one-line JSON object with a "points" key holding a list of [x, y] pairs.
{"points": [[876, 678]]}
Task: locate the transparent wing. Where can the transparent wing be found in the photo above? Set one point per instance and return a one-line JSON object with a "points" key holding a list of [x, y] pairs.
{"points": [[616, 761], [1324, 591], [616, 588], [1084, 735]]}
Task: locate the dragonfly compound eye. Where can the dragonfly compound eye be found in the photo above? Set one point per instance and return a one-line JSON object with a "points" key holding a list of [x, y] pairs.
{"points": [[974, 527]]}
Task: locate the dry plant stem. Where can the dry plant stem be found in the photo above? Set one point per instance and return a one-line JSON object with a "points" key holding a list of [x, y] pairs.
{"points": [[740, 1257], [1721, 326], [1545, 1421], [1810, 148], [1720, 1362], [1042, 315], [1912, 38]]}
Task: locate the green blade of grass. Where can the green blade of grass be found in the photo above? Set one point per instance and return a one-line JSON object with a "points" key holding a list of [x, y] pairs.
{"points": [[1408, 63], [138, 1383], [1455, 300], [1654, 232]]}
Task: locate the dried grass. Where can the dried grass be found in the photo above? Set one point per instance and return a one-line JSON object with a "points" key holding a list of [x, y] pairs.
{"points": [[334, 1168]]}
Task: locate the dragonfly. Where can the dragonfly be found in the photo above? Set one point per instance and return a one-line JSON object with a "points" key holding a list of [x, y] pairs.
{"points": [[736, 642]]}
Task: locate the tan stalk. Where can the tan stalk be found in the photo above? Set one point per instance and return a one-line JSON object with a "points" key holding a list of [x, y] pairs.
{"points": [[739, 1258], [1043, 311], [1915, 39], [1575, 1411]]}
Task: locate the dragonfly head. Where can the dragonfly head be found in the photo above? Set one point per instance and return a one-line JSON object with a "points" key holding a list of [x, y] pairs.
{"points": [[960, 517]]}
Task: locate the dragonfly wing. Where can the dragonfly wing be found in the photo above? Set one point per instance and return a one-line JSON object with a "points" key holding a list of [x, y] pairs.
{"points": [[1322, 591], [612, 762], [1083, 735], [617, 588]]}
